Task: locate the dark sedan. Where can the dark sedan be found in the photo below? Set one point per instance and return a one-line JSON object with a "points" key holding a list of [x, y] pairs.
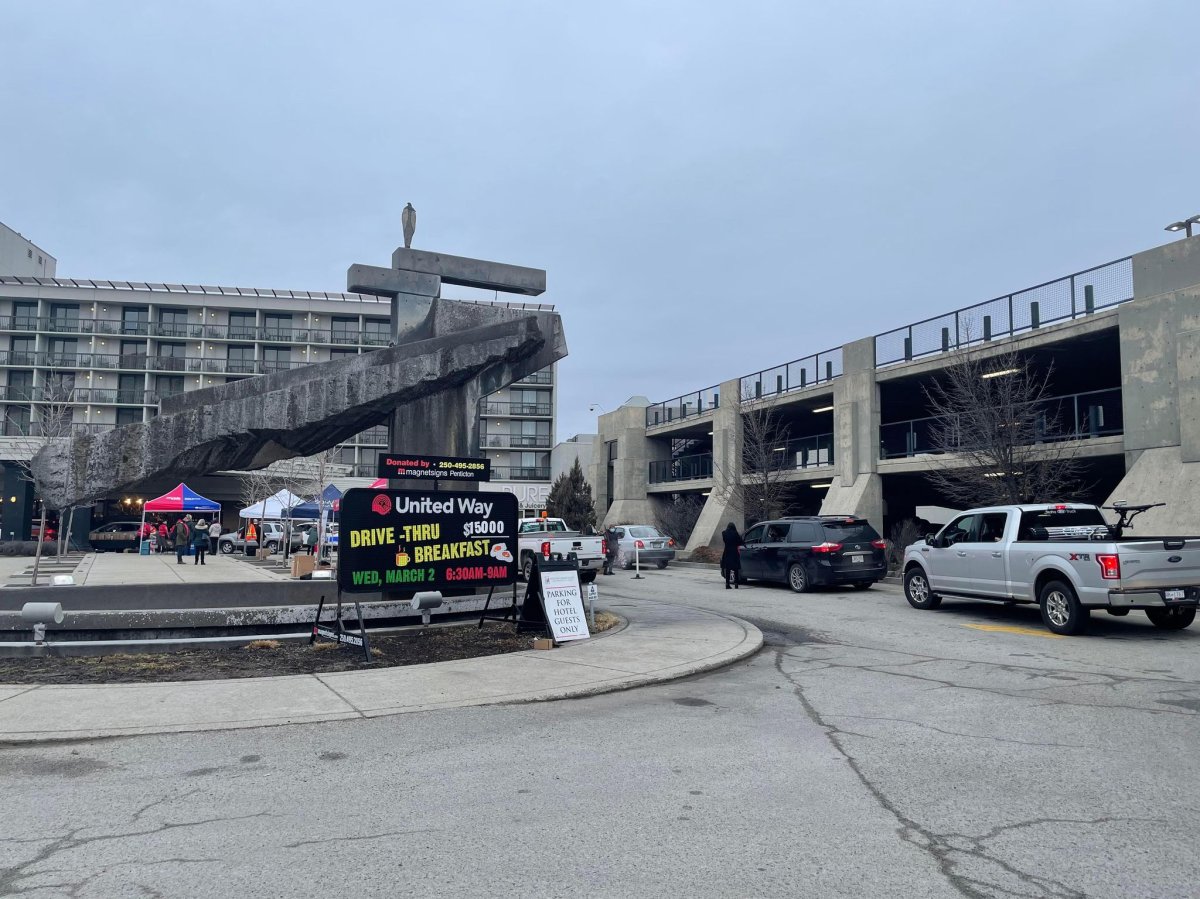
{"points": [[116, 536]]}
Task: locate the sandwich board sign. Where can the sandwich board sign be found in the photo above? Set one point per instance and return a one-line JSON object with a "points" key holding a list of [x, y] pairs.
{"points": [[563, 603]]}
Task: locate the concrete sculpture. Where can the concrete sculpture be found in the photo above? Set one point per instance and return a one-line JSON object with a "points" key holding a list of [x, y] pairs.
{"points": [[445, 355]]}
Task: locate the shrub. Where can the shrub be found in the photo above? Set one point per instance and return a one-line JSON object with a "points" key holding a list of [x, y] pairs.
{"points": [[27, 548]]}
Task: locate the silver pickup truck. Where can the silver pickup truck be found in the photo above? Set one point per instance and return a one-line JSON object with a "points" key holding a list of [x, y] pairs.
{"points": [[1063, 556]]}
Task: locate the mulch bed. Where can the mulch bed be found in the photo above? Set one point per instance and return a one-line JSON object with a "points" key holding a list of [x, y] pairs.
{"points": [[266, 658]]}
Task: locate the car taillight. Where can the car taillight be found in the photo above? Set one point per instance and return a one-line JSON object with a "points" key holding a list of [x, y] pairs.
{"points": [[827, 547], [546, 549], [1110, 566], [879, 544], [603, 547], [639, 544], [671, 542]]}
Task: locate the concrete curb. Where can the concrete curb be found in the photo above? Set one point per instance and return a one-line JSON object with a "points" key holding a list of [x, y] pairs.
{"points": [[660, 642]]}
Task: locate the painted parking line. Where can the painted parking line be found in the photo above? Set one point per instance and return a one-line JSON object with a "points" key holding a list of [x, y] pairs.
{"points": [[1011, 629]]}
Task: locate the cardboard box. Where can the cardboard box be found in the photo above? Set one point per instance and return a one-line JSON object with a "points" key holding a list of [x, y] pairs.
{"points": [[302, 565], [543, 643]]}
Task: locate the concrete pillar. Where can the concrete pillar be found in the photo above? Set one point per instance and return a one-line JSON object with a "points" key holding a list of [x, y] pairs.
{"points": [[721, 506], [631, 468], [857, 488], [1160, 388]]}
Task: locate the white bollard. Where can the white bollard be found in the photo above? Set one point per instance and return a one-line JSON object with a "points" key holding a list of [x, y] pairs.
{"points": [[637, 562]]}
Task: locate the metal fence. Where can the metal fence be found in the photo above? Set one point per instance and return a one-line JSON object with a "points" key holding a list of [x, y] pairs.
{"points": [[683, 468], [818, 368], [1096, 413], [690, 404], [1060, 300], [807, 452]]}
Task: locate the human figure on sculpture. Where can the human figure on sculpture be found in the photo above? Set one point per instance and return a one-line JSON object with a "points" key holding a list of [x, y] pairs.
{"points": [[731, 560], [180, 533], [200, 541]]}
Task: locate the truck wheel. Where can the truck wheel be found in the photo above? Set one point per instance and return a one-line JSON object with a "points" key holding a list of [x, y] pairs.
{"points": [[527, 567], [1061, 610], [798, 579], [917, 592], [587, 577], [227, 547], [1171, 619]]}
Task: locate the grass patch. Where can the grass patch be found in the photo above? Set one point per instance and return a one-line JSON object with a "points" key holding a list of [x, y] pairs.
{"points": [[605, 621], [263, 644]]}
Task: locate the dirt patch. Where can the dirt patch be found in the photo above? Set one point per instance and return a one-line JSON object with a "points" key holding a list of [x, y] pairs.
{"points": [[265, 658]]}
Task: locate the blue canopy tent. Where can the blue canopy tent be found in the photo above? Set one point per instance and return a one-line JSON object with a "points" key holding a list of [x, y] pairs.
{"points": [[329, 497]]}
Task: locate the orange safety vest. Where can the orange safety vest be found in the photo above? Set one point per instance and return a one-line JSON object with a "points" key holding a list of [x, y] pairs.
{"points": [[251, 533]]}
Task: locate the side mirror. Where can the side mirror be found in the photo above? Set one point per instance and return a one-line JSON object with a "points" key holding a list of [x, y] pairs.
{"points": [[932, 540]]}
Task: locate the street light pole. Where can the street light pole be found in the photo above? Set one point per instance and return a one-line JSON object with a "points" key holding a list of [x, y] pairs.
{"points": [[1185, 225]]}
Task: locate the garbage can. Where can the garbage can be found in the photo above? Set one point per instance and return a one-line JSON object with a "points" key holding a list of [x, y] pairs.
{"points": [[145, 550]]}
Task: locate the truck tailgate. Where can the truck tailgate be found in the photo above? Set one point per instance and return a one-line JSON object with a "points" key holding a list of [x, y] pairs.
{"points": [[1160, 562], [581, 546]]}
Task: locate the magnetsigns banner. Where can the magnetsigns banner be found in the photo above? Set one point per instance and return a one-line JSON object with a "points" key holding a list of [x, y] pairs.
{"points": [[434, 468], [426, 540]]}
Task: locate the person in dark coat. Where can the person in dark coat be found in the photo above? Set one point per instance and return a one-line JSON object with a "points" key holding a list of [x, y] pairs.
{"points": [[610, 549], [731, 560]]}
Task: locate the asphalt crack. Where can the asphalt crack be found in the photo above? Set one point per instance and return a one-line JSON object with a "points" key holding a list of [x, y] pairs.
{"points": [[950, 849]]}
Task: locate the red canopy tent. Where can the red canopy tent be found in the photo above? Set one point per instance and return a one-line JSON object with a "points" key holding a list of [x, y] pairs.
{"points": [[181, 499]]}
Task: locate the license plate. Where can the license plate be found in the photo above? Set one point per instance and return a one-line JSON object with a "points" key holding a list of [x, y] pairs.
{"points": [[857, 559], [1174, 594]]}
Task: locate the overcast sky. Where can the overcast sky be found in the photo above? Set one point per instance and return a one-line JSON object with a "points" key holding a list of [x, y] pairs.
{"points": [[712, 188]]}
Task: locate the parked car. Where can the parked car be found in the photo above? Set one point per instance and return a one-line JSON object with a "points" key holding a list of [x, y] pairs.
{"points": [[551, 536], [1063, 556], [643, 543], [813, 551], [270, 535], [116, 536]]}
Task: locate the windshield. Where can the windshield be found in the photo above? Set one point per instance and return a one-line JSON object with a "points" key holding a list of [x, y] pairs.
{"points": [[849, 532], [644, 532], [1053, 520]]}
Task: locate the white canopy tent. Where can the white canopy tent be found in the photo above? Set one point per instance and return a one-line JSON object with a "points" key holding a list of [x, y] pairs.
{"points": [[273, 507]]}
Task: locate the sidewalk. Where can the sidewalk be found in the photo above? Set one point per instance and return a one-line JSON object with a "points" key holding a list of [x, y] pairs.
{"points": [[662, 641], [101, 569]]}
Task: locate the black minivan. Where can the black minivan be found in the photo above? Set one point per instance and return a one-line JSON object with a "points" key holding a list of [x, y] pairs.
{"points": [[813, 551]]}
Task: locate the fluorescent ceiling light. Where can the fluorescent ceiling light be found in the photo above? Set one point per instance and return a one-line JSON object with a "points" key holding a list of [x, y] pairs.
{"points": [[1001, 373], [998, 474], [820, 486], [824, 409], [780, 449]]}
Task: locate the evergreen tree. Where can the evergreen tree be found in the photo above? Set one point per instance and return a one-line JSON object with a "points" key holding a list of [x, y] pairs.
{"points": [[571, 500]]}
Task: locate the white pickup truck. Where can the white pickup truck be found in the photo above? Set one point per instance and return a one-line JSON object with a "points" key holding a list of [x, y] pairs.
{"points": [[1063, 556], [546, 537]]}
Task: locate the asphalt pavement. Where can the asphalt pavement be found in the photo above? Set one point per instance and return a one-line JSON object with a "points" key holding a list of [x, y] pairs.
{"points": [[868, 750]]}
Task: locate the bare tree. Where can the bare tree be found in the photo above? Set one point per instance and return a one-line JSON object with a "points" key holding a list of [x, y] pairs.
{"points": [[676, 516], [1001, 437], [51, 422], [755, 484]]}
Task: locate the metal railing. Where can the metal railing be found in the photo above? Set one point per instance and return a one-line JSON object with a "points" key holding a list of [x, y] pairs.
{"points": [[1096, 413], [819, 368], [538, 377], [815, 451], [521, 474], [1065, 298], [683, 468], [518, 409], [690, 404], [373, 436], [517, 441]]}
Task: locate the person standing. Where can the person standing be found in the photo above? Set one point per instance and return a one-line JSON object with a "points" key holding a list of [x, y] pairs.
{"points": [[731, 560], [610, 549], [214, 532], [180, 533], [163, 535], [199, 541]]}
